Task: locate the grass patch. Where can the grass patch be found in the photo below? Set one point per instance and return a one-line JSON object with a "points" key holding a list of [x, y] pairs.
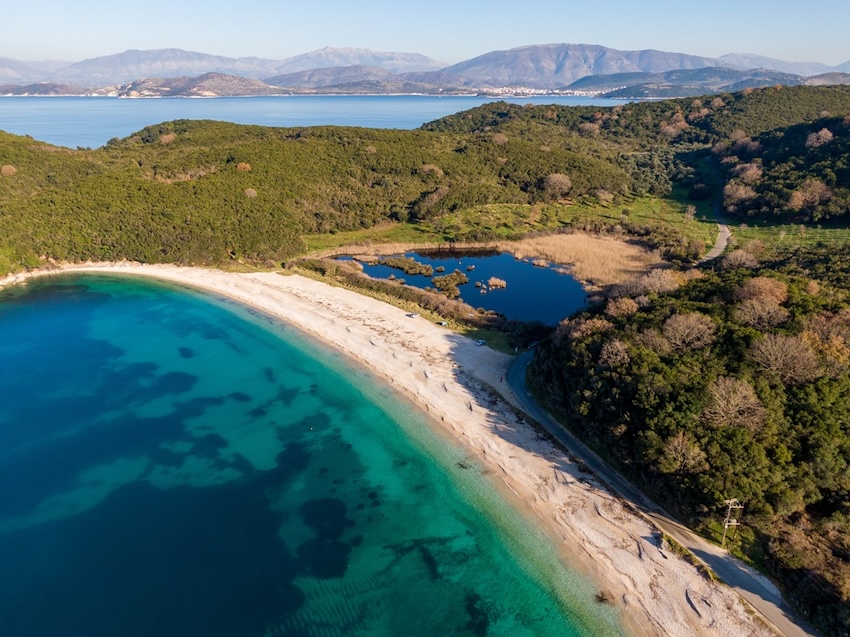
{"points": [[510, 221], [779, 237]]}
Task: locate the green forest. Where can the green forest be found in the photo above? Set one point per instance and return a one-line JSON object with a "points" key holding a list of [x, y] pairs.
{"points": [[700, 381]]}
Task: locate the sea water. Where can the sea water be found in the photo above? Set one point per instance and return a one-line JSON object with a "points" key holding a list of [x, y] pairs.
{"points": [[93, 121], [175, 464]]}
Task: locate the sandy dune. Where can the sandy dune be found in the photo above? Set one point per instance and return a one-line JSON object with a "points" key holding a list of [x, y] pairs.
{"points": [[447, 375]]}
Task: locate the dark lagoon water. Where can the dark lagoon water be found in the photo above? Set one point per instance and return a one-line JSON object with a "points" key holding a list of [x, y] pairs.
{"points": [[175, 465], [532, 293], [93, 121]]}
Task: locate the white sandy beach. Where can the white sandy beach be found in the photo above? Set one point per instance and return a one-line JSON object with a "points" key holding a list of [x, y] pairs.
{"points": [[657, 592]]}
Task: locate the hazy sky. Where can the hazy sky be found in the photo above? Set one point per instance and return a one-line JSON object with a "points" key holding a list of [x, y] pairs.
{"points": [[447, 30]]}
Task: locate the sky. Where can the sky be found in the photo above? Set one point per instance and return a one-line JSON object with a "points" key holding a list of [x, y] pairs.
{"points": [[447, 30]]}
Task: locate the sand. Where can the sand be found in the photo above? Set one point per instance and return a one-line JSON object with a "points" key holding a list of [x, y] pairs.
{"points": [[449, 376]]}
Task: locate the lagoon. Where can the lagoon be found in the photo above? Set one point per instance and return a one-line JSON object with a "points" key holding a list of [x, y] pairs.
{"points": [[533, 291]]}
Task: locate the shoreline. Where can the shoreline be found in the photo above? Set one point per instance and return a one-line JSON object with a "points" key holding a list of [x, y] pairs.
{"points": [[448, 377]]}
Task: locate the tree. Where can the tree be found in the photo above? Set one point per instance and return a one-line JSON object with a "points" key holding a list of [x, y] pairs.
{"points": [[614, 353], [556, 185], [732, 402], [687, 332], [735, 194], [823, 136], [738, 259], [682, 455], [790, 358], [810, 193], [623, 306], [760, 313], [762, 288]]}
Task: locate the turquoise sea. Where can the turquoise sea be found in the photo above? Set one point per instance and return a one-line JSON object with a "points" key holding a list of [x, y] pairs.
{"points": [[173, 464]]}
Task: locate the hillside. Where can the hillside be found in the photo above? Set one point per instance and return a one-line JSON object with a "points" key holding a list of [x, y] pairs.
{"points": [[207, 85], [42, 88], [205, 192], [330, 76], [682, 83], [713, 386]]}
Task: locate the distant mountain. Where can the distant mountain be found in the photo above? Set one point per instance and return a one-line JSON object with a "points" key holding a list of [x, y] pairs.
{"points": [[548, 67], [40, 88], [324, 77], [357, 80], [551, 66], [682, 83], [744, 61], [828, 79], [207, 85], [132, 65], [27, 72], [331, 58]]}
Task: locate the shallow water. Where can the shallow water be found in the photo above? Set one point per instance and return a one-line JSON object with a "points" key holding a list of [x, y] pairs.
{"points": [[173, 464]]}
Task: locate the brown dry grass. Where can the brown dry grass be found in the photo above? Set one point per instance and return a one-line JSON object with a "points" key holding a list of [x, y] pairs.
{"points": [[597, 261]]}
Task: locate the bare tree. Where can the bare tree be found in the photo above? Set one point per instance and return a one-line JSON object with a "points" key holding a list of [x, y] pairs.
{"points": [[614, 353], [732, 402], [623, 306], [760, 313], [810, 193], [653, 340], [763, 288], [738, 259], [748, 173], [557, 185], [823, 136], [686, 332], [790, 358], [736, 193], [682, 455]]}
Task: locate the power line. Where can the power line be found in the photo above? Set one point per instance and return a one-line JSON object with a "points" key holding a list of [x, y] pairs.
{"points": [[730, 520]]}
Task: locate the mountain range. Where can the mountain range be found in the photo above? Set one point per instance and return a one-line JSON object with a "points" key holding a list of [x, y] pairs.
{"points": [[542, 68]]}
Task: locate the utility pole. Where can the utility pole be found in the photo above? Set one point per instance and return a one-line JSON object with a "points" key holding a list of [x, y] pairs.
{"points": [[730, 520]]}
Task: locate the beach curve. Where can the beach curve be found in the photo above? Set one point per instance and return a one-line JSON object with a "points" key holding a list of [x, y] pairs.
{"points": [[448, 376]]}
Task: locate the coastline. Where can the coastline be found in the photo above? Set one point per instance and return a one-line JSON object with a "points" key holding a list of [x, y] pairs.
{"points": [[447, 376]]}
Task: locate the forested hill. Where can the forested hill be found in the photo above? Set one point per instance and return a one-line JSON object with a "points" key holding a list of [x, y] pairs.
{"points": [[728, 384], [199, 191], [205, 192], [783, 154], [702, 120]]}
